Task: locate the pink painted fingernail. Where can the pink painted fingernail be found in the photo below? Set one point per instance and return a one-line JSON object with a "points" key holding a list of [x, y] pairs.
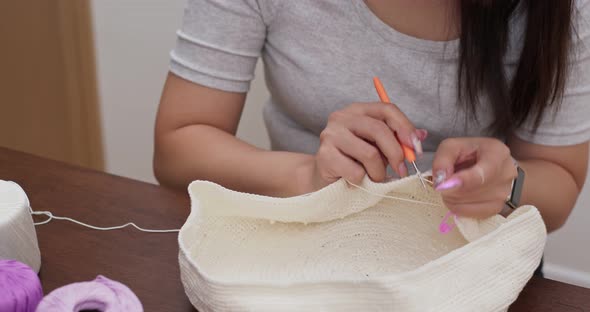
{"points": [[422, 134], [417, 144], [403, 170], [449, 184], [439, 177]]}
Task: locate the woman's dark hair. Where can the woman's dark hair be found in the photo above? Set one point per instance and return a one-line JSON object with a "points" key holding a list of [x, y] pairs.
{"points": [[540, 76]]}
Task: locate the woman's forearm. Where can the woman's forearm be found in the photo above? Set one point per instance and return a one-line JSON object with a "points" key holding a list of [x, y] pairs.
{"points": [[550, 188], [202, 152]]}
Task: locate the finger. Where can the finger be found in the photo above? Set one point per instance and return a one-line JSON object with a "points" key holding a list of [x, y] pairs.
{"points": [[356, 148], [497, 193], [468, 180], [480, 210], [447, 155], [377, 131], [422, 134], [490, 167], [333, 165], [510, 172], [394, 118], [465, 162]]}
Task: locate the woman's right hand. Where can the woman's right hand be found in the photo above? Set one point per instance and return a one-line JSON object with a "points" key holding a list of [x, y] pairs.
{"points": [[360, 139]]}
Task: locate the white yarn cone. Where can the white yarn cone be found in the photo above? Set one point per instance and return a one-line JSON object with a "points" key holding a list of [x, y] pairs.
{"points": [[18, 239]]}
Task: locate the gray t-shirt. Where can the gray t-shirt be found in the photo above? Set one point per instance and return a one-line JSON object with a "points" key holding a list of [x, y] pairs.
{"points": [[321, 55]]}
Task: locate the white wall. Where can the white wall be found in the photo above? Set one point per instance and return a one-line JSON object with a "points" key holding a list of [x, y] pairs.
{"points": [[133, 38], [568, 249]]}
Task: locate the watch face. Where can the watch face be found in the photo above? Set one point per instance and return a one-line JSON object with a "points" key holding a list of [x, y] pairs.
{"points": [[517, 188]]}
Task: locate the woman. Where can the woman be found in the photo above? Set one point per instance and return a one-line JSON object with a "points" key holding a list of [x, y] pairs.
{"points": [[477, 85]]}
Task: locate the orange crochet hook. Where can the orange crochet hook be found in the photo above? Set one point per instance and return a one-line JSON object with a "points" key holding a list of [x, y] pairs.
{"points": [[409, 154]]}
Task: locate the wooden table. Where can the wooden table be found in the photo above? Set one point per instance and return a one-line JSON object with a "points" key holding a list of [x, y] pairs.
{"points": [[148, 263]]}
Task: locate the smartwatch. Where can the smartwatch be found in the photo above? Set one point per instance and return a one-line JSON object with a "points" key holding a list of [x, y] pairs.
{"points": [[513, 199]]}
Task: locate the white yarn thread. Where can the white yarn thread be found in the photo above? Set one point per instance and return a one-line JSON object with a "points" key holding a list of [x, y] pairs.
{"points": [[392, 197], [51, 216]]}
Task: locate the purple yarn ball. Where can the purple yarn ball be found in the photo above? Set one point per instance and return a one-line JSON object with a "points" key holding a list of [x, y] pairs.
{"points": [[101, 294], [20, 288]]}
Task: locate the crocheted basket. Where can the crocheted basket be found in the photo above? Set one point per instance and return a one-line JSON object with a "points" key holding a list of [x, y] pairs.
{"points": [[348, 249]]}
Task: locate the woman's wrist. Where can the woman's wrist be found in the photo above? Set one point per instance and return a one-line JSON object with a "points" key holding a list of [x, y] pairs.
{"points": [[303, 177], [287, 174]]}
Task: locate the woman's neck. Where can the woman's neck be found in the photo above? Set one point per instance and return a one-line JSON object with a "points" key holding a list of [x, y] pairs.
{"points": [[436, 20]]}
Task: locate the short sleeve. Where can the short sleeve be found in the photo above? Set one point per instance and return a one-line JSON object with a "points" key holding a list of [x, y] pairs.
{"points": [[219, 43], [571, 124]]}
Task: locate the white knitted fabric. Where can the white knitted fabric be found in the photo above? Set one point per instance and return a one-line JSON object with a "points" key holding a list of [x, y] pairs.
{"points": [[18, 239], [343, 249]]}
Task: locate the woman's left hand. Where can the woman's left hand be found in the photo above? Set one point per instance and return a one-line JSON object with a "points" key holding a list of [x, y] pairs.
{"points": [[474, 175]]}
